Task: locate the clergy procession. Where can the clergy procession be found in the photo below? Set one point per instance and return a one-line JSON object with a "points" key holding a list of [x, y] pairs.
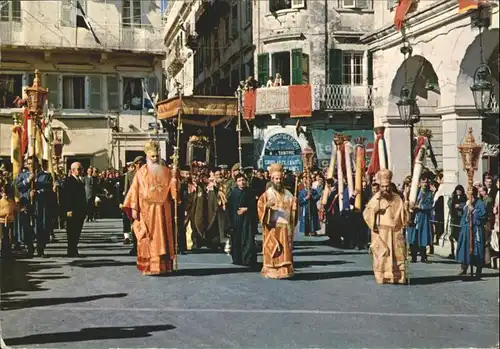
{"points": [[169, 211]]}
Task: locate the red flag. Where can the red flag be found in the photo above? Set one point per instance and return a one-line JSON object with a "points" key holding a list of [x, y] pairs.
{"points": [[24, 138], [401, 11], [249, 104], [465, 6], [300, 100]]}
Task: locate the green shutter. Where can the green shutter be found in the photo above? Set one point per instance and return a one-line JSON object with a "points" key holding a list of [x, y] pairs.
{"points": [[263, 68], [51, 81], [297, 67], [370, 68], [305, 69], [335, 67]]}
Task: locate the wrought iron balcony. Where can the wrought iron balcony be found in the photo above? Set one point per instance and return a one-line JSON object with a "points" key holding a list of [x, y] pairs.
{"points": [[494, 104], [42, 34], [345, 97]]}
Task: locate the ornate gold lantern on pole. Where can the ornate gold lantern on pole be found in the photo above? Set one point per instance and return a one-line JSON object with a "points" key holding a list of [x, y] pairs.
{"points": [[470, 152], [37, 96]]}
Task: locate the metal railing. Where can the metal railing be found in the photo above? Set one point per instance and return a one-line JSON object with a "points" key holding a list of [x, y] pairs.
{"points": [[49, 34], [494, 104], [346, 97]]}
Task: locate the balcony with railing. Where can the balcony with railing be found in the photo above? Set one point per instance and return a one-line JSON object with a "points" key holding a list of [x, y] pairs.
{"points": [[494, 104], [345, 97], [43, 34], [176, 60]]}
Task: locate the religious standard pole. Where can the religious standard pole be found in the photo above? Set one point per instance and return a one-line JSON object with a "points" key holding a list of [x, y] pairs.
{"points": [[176, 164], [239, 94]]}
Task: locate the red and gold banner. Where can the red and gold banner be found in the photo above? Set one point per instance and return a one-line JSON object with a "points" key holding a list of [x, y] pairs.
{"points": [[300, 100], [249, 104], [401, 11], [465, 6]]}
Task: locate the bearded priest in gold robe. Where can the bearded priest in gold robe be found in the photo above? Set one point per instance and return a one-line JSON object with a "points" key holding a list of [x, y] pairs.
{"points": [[149, 203], [386, 215], [277, 211]]}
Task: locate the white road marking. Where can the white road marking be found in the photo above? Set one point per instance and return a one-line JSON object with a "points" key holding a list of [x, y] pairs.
{"points": [[266, 311]]}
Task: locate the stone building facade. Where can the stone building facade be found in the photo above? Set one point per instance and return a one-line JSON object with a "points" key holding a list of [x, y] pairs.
{"points": [[96, 90], [317, 43], [440, 71]]}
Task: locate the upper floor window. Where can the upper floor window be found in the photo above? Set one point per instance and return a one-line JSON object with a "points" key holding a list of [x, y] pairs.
{"points": [[352, 68], [74, 92], [11, 88], [131, 13], [248, 11], [10, 11], [277, 5], [359, 4], [234, 21], [132, 94]]}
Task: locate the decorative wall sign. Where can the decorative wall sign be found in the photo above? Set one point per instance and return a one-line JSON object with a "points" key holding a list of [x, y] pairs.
{"points": [[283, 148]]}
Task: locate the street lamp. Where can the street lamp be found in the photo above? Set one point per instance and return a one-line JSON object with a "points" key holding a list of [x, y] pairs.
{"points": [[37, 96], [407, 108], [482, 89]]}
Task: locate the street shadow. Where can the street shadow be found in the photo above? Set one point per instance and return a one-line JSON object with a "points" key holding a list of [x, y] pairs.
{"points": [[330, 275], [14, 304], [93, 247], [97, 263], [430, 280], [305, 264], [310, 243], [213, 271], [21, 275], [90, 334], [444, 261], [330, 253]]}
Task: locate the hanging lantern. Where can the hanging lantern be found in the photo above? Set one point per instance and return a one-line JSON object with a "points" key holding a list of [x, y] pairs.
{"points": [[482, 89], [407, 106]]}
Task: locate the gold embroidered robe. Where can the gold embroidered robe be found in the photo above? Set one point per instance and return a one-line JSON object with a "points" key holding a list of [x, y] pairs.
{"points": [[388, 245], [278, 226], [151, 194]]}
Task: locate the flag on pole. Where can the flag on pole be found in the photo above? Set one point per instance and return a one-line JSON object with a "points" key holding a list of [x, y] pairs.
{"points": [[82, 21], [147, 102], [401, 11]]}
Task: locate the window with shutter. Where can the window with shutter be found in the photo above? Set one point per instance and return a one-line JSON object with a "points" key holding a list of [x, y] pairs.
{"points": [[10, 10], [348, 3], [298, 3], [363, 4], [152, 86], [51, 81], [68, 13], [305, 69], [131, 13], [262, 68], [95, 92], [391, 4], [234, 21], [297, 67], [335, 67], [113, 94], [370, 68]]}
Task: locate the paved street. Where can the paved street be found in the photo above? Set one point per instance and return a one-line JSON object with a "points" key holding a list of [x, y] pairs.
{"points": [[102, 301]]}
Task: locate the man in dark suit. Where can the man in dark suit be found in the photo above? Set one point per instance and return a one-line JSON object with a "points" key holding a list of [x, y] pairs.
{"points": [[88, 180], [76, 207]]}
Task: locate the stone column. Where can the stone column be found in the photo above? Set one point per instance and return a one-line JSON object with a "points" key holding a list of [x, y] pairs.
{"points": [[397, 138], [455, 125]]}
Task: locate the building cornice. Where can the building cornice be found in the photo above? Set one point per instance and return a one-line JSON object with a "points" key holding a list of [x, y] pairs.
{"points": [[283, 37], [388, 36]]}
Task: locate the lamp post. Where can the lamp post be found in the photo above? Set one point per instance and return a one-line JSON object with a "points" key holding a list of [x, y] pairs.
{"points": [[407, 108], [470, 152], [37, 96]]}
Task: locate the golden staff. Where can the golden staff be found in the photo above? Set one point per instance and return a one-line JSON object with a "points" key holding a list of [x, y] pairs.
{"points": [[175, 159]]}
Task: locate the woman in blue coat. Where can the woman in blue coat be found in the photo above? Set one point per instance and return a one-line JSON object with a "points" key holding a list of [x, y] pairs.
{"points": [[308, 217], [464, 255]]}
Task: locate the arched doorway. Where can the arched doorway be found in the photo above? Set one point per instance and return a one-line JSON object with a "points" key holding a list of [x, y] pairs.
{"points": [[488, 134], [420, 77]]}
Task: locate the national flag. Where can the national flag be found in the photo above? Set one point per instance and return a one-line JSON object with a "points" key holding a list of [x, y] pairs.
{"points": [[82, 21], [401, 11], [147, 102]]}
